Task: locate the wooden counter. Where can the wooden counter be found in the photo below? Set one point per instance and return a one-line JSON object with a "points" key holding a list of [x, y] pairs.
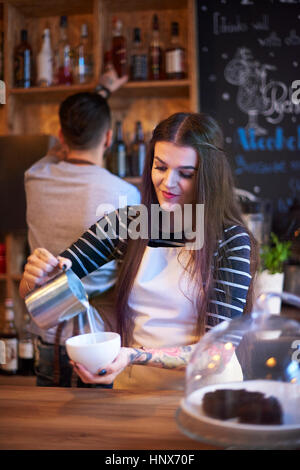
{"points": [[82, 419]]}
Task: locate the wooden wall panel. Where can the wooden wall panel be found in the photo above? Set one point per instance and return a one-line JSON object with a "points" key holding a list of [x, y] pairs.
{"points": [[43, 117], [2, 121], [149, 112]]}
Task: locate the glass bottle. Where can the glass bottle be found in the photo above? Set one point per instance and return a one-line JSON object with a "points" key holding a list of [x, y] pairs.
{"points": [[155, 53], [107, 60], [138, 151], [117, 163], [138, 64], [26, 349], [45, 61], [175, 55], [84, 61], [23, 64], [9, 339], [64, 56], [119, 50]]}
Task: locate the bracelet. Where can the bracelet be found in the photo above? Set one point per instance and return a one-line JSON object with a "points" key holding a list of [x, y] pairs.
{"points": [[103, 88]]}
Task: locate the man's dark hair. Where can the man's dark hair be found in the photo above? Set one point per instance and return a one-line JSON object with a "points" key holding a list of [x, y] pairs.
{"points": [[84, 118]]}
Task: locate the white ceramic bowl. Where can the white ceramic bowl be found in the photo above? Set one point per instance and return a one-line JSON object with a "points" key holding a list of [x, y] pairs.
{"points": [[94, 356]]}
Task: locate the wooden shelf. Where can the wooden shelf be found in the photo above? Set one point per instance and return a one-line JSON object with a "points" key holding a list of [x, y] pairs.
{"points": [[73, 7], [51, 89], [117, 6], [35, 109], [52, 93], [160, 88], [158, 84], [46, 8]]}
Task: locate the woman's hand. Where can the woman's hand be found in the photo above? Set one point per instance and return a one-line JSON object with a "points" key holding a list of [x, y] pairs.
{"points": [[40, 267], [107, 375]]}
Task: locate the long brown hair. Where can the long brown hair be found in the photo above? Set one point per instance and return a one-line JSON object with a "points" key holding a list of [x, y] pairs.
{"points": [[214, 188]]}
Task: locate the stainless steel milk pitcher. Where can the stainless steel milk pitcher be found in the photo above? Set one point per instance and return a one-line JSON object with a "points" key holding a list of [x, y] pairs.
{"points": [[61, 298]]}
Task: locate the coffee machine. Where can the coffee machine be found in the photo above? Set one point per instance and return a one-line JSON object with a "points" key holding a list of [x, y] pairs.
{"points": [[257, 214]]}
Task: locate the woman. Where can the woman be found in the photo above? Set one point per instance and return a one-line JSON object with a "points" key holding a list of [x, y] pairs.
{"points": [[168, 294]]}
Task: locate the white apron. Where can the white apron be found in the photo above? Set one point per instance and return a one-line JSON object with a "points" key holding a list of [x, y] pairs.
{"points": [[165, 317]]}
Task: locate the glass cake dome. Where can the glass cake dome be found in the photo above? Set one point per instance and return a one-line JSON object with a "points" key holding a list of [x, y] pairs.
{"points": [[242, 385]]}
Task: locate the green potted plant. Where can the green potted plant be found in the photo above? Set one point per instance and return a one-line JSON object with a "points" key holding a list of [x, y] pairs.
{"points": [[271, 276], [274, 255]]}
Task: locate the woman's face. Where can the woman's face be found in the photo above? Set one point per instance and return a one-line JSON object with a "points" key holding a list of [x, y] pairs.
{"points": [[174, 173]]}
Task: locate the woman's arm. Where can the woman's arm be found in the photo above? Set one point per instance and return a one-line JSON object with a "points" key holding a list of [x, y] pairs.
{"points": [[232, 279], [166, 358], [96, 247]]}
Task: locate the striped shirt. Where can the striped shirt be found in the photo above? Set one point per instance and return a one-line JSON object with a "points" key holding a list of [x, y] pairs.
{"points": [[107, 240]]}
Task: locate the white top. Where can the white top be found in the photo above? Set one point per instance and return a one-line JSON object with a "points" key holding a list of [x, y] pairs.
{"points": [[163, 306]]}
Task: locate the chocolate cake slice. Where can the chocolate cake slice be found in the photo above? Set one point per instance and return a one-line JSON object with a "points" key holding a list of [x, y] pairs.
{"points": [[248, 407], [221, 404], [263, 411]]}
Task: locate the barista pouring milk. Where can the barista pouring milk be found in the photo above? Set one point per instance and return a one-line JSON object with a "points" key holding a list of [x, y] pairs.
{"points": [[173, 285]]}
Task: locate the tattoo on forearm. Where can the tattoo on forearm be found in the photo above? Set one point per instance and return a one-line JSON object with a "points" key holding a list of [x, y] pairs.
{"points": [[140, 357], [167, 358]]}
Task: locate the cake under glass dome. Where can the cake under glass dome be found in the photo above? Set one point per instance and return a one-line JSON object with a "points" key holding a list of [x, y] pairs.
{"points": [[243, 382]]}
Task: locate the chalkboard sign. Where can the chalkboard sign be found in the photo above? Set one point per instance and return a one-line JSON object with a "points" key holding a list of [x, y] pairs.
{"points": [[249, 79]]}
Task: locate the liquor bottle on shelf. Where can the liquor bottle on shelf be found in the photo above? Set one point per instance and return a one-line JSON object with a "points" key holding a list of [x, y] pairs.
{"points": [[175, 55], [9, 339], [137, 151], [108, 53], [119, 49], [45, 61], [83, 57], [23, 64], [138, 65], [117, 159], [64, 72], [107, 60], [26, 349], [155, 53]]}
